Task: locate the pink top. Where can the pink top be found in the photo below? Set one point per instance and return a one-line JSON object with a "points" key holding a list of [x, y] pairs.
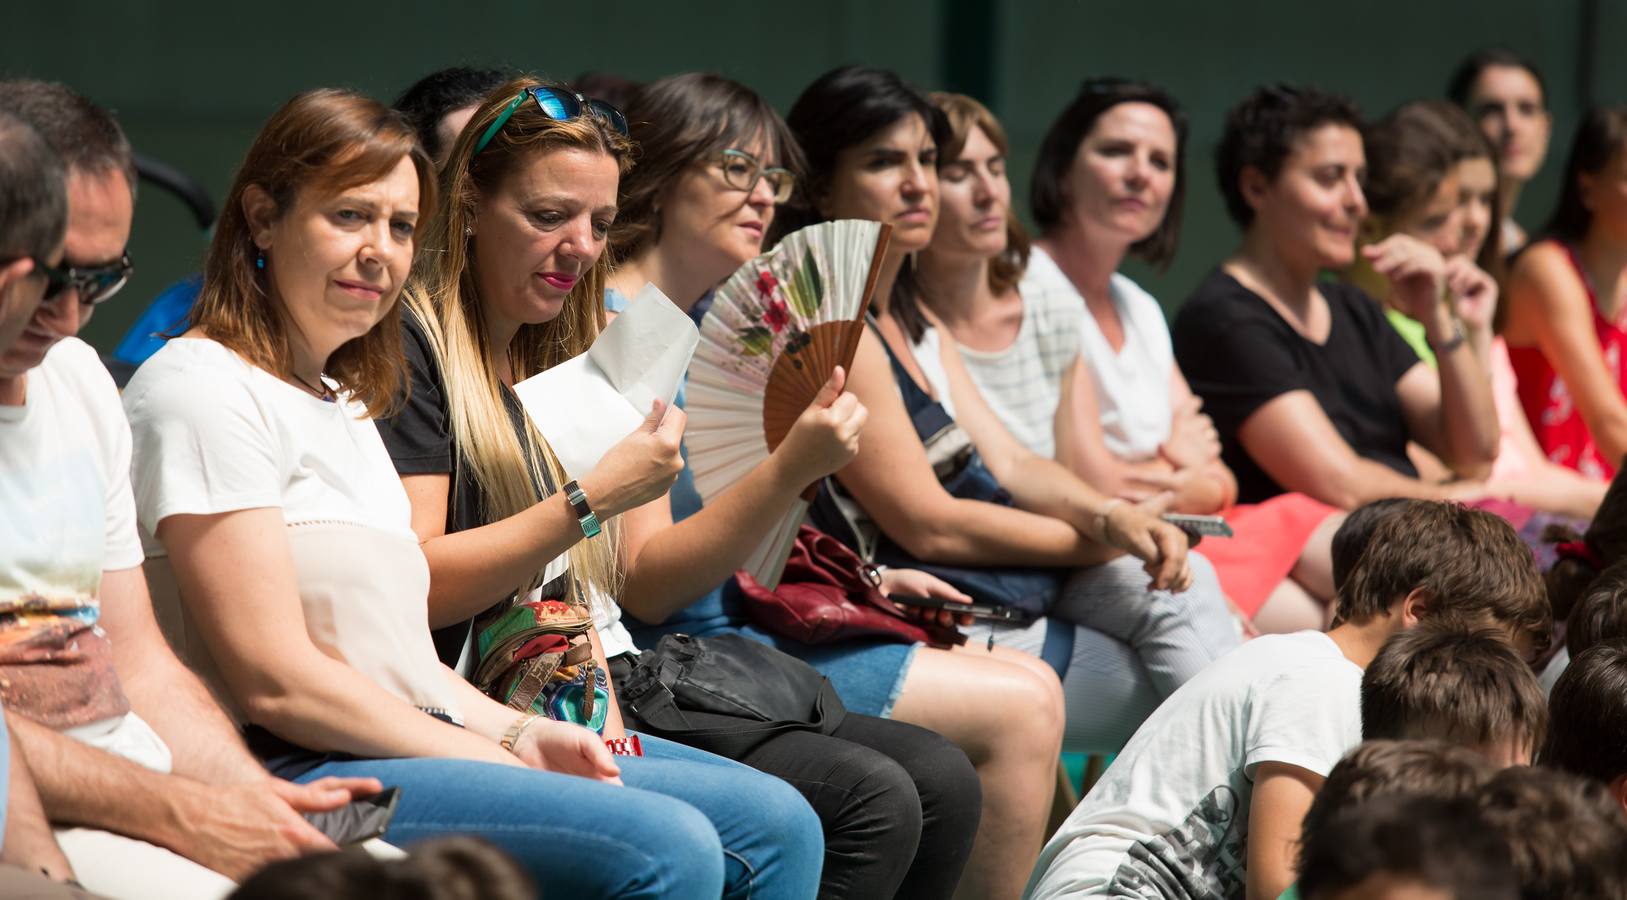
{"points": [[1554, 417], [1512, 464]]}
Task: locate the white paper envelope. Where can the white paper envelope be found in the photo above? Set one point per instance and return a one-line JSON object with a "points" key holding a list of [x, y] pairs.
{"points": [[586, 404]]}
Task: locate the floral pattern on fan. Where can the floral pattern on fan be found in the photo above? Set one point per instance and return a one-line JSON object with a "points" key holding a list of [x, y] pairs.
{"points": [[776, 332]]}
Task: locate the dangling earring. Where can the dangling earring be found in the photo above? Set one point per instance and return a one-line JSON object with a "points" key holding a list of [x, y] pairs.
{"points": [[259, 259]]}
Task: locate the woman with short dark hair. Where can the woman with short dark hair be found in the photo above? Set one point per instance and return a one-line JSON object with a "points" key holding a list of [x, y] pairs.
{"points": [[1311, 390]]}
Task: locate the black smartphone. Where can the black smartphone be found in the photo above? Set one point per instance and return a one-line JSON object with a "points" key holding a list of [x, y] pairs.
{"points": [[975, 610], [1207, 526], [359, 820]]}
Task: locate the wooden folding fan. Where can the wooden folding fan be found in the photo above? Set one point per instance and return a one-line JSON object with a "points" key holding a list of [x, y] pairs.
{"points": [[773, 334]]}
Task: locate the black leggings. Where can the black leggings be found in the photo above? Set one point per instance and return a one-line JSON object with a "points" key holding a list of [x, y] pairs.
{"points": [[900, 804]]}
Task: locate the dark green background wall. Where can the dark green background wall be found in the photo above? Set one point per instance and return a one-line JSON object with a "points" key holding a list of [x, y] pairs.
{"points": [[192, 80]]}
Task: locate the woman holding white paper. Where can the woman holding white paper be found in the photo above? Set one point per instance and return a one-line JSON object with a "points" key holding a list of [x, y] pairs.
{"points": [[514, 258], [514, 287], [715, 161]]}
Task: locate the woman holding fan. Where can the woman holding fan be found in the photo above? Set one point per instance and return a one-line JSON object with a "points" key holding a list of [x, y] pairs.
{"points": [[872, 143], [715, 162]]}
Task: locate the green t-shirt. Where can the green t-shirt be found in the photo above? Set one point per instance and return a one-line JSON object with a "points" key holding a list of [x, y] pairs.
{"points": [[1411, 331], [1293, 889]]}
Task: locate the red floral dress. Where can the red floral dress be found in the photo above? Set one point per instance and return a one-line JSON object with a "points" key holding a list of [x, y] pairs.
{"points": [[1555, 419]]}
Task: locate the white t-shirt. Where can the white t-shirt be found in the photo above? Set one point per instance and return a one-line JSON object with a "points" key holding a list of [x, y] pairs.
{"points": [[214, 434], [1132, 385], [66, 516], [1022, 383], [1169, 819]]}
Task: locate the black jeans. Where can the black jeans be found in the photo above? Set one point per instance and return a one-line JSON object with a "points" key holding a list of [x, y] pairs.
{"points": [[900, 804]]}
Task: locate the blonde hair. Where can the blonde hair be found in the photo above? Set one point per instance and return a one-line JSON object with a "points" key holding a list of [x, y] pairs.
{"points": [[508, 467]]}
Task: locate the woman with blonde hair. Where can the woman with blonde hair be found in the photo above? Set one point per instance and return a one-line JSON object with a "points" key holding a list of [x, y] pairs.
{"points": [[287, 570], [513, 285]]}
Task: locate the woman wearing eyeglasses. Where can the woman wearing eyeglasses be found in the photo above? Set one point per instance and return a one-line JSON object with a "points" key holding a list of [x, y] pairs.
{"points": [[715, 161], [513, 283], [287, 564]]}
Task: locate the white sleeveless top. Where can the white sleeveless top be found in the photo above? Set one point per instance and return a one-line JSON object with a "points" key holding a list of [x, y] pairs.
{"points": [[1132, 385]]}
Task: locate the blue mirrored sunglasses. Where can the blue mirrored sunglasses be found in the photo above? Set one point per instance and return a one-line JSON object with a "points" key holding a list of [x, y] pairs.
{"points": [[561, 106]]}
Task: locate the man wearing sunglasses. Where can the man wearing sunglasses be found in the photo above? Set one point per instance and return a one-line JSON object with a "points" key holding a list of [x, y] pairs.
{"points": [[123, 739]]}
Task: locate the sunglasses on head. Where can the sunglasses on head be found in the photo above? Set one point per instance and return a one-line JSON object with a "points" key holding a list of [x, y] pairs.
{"points": [[559, 105], [94, 284]]}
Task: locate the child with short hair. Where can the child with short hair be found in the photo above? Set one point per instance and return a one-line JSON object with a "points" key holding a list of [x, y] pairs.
{"points": [[1588, 733], [1208, 796], [1599, 615], [1464, 686], [1565, 834], [1407, 846], [1388, 770]]}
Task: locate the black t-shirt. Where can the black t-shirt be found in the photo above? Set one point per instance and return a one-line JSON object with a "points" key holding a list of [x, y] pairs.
{"points": [[419, 439], [1238, 354]]}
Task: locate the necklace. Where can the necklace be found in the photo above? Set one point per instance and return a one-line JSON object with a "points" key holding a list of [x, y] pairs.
{"points": [[322, 393]]}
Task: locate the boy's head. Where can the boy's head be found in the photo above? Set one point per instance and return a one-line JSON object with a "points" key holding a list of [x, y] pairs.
{"points": [[1601, 612], [1468, 687], [1566, 835], [1388, 769], [1587, 734], [1435, 560], [1417, 848], [1356, 533]]}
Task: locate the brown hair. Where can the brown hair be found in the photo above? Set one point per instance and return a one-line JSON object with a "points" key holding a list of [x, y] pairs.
{"points": [[1471, 564], [1412, 150], [1566, 835], [1440, 681], [1385, 768], [1048, 193], [84, 135], [1588, 707], [324, 141], [1600, 138], [1601, 614], [450, 868], [445, 296], [1407, 840], [683, 121], [964, 113]]}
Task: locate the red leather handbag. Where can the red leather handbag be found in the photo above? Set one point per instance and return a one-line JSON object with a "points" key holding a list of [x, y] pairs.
{"points": [[827, 594]]}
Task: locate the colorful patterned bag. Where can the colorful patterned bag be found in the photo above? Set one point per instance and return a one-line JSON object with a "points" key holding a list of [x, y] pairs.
{"points": [[537, 657]]}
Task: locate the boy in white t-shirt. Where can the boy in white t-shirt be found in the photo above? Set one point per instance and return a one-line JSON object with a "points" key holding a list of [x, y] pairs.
{"points": [[1207, 797]]}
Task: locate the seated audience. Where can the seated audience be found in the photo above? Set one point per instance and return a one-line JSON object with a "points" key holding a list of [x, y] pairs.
{"points": [[1564, 330], [1587, 732], [1468, 687], [133, 759], [1565, 835], [1070, 327], [1431, 175], [1406, 848], [872, 146], [501, 528], [1309, 387], [454, 868], [1274, 716], [255, 452], [1507, 97], [715, 162]]}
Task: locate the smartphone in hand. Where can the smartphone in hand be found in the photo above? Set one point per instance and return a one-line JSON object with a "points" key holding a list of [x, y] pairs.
{"points": [[976, 610], [1204, 526], [359, 820]]}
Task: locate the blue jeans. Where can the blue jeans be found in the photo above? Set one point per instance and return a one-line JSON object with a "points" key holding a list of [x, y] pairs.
{"points": [[686, 825]]}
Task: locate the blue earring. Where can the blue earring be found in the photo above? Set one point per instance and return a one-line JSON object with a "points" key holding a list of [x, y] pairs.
{"points": [[260, 259]]}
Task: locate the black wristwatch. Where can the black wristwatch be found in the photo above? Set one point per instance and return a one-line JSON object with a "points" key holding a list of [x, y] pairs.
{"points": [[585, 516]]}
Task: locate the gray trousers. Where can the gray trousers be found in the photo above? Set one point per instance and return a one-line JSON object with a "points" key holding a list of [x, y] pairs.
{"points": [[1132, 647]]}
